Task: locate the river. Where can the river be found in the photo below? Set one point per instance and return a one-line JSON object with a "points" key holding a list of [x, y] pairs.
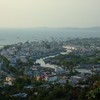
{"points": [[43, 64]]}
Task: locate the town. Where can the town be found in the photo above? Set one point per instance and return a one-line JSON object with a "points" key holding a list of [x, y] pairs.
{"points": [[71, 62]]}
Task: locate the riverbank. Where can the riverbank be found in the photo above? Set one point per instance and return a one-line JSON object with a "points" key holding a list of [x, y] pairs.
{"points": [[44, 63]]}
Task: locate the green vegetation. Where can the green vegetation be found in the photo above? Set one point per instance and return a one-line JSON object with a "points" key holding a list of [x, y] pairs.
{"points": [[53, 91], [72, 59]]}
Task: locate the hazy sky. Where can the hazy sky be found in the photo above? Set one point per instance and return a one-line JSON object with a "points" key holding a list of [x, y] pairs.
{"points": [[49, 13]]}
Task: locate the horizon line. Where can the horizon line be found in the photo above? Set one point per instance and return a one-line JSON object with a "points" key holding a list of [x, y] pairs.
{"points": [[50, 27]]}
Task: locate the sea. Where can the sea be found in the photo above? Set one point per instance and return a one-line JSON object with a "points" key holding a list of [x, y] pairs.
{"points": [[12, 36]]}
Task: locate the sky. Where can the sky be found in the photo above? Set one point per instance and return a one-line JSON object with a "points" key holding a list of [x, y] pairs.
{"points": [[49, 13]]}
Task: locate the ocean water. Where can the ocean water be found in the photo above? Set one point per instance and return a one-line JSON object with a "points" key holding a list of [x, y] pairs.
{"points": [[12, 36]]}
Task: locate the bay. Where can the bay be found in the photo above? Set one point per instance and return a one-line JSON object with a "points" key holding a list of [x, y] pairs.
{"points": [[12, 36]]}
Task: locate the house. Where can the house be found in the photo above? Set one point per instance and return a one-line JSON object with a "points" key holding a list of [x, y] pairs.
{"points": [[20, 95], [1, 63], [34, 68], [28, 87], [84, 71], [59, 70], [39, 77], [96, 68], [44, 86], [85, 66], [9, 81], [62, 81], [51, 78], [75, 79]]}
